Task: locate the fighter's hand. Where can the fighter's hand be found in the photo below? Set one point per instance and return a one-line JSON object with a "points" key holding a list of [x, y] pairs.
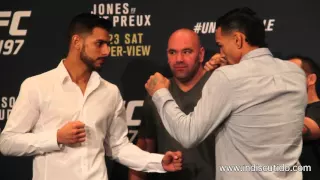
{"points": [[156, 82], [172, 161], [215, 62], [71, 133]]}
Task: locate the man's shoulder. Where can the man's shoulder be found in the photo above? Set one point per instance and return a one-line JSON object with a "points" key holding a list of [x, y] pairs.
{"points": [[313, 107], [260, 67], [229, 71], [236, 71], [312, 111], [110, 87], [43, 79], [291, 66], [108, 84], [45, 74], [316, 104]]}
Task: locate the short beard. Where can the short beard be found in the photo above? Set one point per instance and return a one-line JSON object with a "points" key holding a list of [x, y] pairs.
{"points": [[191, 75], [88, 61]]}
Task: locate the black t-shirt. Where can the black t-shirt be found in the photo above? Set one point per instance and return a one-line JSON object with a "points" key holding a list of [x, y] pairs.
{"points": [[311, 148], [198, 162]]}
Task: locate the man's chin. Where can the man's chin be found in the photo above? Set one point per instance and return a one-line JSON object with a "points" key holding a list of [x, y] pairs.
{"points": [[182, 78], [180, 74], [96, 68]]}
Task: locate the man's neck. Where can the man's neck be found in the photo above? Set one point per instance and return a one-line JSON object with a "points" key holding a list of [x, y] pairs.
{"points": [[312, 96], [186, 86], [77, 70], [248, 49]]}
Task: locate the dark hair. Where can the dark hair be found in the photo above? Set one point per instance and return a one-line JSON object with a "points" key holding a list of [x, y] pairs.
{"points": [[85, 23], [308, 64], [245, 21]]}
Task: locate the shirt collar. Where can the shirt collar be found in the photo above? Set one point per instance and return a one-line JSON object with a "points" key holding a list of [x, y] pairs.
{"points": [[63, 74], [256, 53]]}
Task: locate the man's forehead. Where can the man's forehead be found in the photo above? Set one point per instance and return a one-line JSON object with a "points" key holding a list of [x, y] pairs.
{"points": [[218, 31], [100, 33], [182, 43], [217, 37], [180, 49]]}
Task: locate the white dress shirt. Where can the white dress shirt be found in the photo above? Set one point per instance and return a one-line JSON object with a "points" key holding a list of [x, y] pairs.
{"points": [[48, 101], [256, 108]]}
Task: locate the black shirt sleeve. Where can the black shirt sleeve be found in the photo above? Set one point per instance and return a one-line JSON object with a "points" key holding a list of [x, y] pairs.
{"points": [[147, 127], [312, 112], [315, 118]]}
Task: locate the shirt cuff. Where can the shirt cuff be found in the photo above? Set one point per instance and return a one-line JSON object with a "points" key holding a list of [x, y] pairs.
{"points": [[161, 96], [155, 164], [49, 142]]}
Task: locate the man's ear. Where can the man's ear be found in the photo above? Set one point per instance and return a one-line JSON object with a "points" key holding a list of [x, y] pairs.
{"points": [[201, 54], [239, 39], [76, 42], [311, 79]]}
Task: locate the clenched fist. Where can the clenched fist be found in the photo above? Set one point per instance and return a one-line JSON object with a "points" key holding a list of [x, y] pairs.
{"points": [[172, 161], [215, 62], [71, 133], [156, 82]]}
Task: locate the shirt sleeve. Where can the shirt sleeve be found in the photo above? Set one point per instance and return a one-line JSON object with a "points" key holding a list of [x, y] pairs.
{"points": [[119, 148], [314, 115], [147, 127], [17, 138], [212, 109]]}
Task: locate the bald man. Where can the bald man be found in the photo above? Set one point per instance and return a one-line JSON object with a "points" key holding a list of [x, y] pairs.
{"points": [[185, 56]]}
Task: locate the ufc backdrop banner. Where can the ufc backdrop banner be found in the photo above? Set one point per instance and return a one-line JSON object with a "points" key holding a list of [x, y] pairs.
{"points": [[33, 40]]}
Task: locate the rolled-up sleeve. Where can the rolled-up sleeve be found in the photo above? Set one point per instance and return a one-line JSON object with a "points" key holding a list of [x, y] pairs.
{"points": [[212, 109]]}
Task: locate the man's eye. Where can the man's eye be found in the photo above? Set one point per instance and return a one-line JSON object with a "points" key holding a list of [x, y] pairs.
{"points": [[187, 52], [99, 44]]}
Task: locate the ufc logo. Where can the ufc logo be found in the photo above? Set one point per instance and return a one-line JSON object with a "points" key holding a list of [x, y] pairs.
{"points": [[130, 110], [16, 17]]}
